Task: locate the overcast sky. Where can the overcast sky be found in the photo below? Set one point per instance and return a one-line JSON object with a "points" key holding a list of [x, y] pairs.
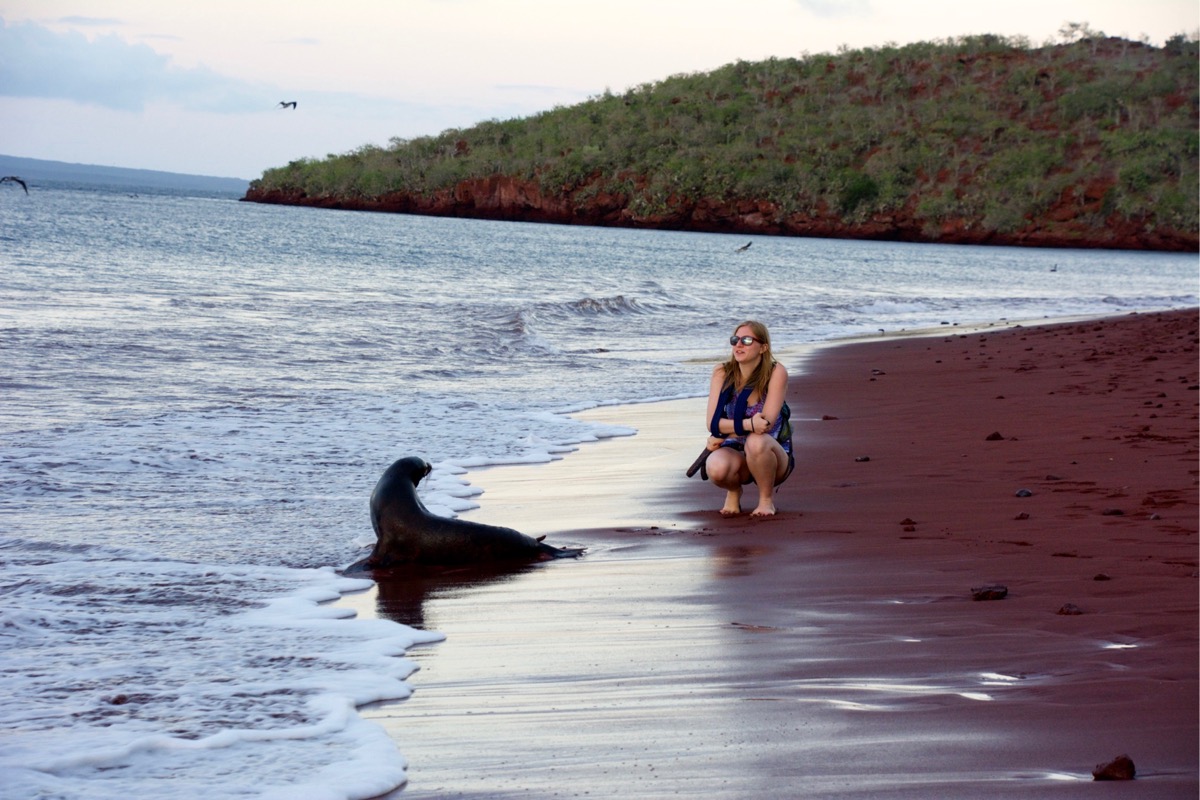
{"points": [[194, 86]]}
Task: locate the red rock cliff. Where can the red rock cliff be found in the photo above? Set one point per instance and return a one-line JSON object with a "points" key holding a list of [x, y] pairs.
{"points": [[504, 198]]}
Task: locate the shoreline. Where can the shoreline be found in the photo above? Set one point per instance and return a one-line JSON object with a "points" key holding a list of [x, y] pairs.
{"points": [[834, 650], [667, 431]]}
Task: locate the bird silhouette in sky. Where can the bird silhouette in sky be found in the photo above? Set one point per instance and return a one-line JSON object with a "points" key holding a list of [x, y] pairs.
{"points": [[15, 179], [288, 104]]}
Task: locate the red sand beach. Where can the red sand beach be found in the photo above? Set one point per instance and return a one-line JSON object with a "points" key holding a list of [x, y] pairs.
{"points": [[835, 650]]}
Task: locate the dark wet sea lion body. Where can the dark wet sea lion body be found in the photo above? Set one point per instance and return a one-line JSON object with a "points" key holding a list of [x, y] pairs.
{"points": [[408, 534]]}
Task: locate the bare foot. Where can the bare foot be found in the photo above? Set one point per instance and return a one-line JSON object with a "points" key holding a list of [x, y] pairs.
{"points": [[766, 509], [733, 504]]}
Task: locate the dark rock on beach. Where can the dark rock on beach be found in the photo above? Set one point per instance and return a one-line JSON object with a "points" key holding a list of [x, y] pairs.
{"points": [[994, 591], [1119, 769]]}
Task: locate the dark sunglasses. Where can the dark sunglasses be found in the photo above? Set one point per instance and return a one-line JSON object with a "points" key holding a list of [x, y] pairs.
{"points": [[745, 340]]}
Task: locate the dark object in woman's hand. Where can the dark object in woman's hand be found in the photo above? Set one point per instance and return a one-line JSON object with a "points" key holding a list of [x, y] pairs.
{"points": [[699, 462]]}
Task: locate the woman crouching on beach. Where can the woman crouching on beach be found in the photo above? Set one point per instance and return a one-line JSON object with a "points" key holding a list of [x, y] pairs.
{"points": [[746, 419]]}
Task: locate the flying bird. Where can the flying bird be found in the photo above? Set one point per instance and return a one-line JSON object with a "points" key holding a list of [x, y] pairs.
{"points": [[15, 179], [288, 104], [744, 247]]}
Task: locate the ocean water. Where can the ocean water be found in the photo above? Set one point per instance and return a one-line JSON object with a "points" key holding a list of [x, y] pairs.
{"points": [[199, 394]]}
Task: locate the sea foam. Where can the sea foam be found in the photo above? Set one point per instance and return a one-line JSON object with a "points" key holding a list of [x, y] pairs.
{"points": [[189, 680]]}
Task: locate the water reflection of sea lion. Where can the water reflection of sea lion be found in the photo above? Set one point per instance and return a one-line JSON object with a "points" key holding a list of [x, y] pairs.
{"points": [[408, 534]]}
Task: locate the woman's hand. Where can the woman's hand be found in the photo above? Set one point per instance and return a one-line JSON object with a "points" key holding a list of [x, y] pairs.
{"points": [[714, 442], [759, 424]]}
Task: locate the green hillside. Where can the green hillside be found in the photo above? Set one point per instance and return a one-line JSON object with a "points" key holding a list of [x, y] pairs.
{"points": [[983, 139]]}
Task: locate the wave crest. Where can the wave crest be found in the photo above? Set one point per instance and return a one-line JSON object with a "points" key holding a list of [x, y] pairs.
{"points": [[619, 304]]}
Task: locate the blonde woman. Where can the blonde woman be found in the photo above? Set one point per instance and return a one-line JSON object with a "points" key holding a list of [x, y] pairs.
{"points": [[750, 433]]}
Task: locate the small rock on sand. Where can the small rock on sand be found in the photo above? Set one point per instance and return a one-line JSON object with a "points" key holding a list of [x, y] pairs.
{"points": [[1119, 769], [993, 591]]}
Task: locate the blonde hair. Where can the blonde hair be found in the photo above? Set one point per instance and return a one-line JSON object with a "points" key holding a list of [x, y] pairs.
{"points": [[761, 376]]}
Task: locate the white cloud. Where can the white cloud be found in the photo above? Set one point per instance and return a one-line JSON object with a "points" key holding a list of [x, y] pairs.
{"points": [[110, 72], [836, 8], [89, 21]]}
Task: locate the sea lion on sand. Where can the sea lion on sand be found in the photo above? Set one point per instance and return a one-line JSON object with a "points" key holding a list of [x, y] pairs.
{"points": [[407, 534]]}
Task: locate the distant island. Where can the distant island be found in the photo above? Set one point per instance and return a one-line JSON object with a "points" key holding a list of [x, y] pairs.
{"points": [[978, 140], [64, 175]]}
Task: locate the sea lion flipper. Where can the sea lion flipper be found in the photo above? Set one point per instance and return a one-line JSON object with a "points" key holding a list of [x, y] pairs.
{"points": [[547, 551]]}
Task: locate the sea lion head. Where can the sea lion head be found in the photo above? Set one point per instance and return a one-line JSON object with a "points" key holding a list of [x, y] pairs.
{"points": [[395, 494], [414, 468], [399, 481]]}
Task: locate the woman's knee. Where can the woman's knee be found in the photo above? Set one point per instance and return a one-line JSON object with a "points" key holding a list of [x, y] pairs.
{"points": [[723, 467], [721, 473], [760, 444]]}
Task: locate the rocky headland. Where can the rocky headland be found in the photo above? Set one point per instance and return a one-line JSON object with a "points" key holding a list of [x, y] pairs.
{"points": [[978, 140]]}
